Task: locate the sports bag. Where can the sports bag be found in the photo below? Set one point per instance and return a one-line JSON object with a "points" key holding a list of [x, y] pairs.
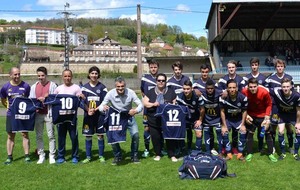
{"points": [[199, 165]]}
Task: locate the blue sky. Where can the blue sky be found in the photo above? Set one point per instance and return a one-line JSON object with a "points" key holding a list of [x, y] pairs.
{"points": [[191, 17]]}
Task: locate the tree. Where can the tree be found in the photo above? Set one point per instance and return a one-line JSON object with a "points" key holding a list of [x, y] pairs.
{"points": [[3, 21], [129, 33]]}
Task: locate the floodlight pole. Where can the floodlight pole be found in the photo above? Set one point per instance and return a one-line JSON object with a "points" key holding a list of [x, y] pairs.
{"points": [[138, 43], [66, 20]]}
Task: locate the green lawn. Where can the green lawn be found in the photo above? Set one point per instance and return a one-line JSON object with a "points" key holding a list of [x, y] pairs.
{"points": [[260, 173]]}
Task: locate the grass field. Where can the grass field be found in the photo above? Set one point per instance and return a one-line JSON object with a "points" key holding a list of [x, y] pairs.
{"points": [[260, 173]]}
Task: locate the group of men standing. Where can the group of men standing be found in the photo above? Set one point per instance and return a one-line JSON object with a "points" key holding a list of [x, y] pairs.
{"points": [[173, 109]]}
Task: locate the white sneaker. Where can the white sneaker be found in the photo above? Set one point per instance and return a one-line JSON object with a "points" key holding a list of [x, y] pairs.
{"points": [[51, 159], [41, 159], [174, 159], [145, 154], [156, 158]]}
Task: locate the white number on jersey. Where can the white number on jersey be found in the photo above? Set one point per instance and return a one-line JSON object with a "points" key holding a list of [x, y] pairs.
{"points": [[66, 103], [173, 115], [22, 107], [115, 118]]}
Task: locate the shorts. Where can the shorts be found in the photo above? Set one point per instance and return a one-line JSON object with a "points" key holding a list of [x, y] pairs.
{"points": [[233, 124], [91, 127], [8, 124]]}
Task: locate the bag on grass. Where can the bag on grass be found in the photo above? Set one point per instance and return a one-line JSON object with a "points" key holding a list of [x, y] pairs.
{"points": [[199, 165]]}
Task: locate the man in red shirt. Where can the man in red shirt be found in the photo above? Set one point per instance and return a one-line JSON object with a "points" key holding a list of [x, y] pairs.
{"points": [[259, 111]]}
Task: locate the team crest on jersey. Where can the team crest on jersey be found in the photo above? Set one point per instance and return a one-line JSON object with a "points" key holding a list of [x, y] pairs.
{"points": [[86, 128], [193, 103], [9, 90], [239, 104], [259, 81], [292, 103], [98, 91]]}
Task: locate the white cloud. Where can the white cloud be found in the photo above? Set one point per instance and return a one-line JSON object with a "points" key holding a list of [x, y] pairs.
{"points": [[10, 17], [148, 18], [182, 7]]}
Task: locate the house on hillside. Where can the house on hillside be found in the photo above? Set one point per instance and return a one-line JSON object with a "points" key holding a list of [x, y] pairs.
{"points": [[105, 48], [7, 27], [53, 36], [157, 42]]}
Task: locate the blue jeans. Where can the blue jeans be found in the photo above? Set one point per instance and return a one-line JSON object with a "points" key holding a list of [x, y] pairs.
{"points": [[134, 133], [62, 130]]}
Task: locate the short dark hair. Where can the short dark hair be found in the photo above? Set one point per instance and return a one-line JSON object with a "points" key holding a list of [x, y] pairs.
{"points": [[232, 61], [42, 69], [254, 60], [205, 66], [153, 62], [231, 81], [177, 64], [188, 83], [94, 68], [284, 80], [253, 81], [161, 74], [210, 82], [279, 61]]}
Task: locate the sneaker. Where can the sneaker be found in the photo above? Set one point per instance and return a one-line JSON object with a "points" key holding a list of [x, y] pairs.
{"points": [[229, 156], [296, 157], [235, 151], [135, 160], [157, 158], [60, 161], [240, 157], [74, 160], [145, 154], [291, 151], [27, 159], [86, 161], [249, 157], [273, 158], [101, 159], [174, 159], [41, 159], [8, 161], [116, 161], [282, 156], [214, 152], [51, 159]]}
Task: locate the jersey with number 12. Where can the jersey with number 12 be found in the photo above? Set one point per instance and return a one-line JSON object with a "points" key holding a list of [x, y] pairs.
{"points": [[173, 119]]}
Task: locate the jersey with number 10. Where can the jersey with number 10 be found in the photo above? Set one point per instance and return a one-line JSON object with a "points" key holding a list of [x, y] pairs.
{"points": [[173, 119], [64, 107], [116, 122], [23, 113]]}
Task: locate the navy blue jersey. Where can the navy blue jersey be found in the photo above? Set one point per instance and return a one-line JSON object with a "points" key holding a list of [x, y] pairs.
{"points": [[286, 105], [94, 95], [234, 109], [173, 120], [116, 123], [193, 105], [260, 78], [200, 85], [221, 85], [211, 104], [64, 108], [147, 83], [176, 84], [274, 81], [23, 113]]}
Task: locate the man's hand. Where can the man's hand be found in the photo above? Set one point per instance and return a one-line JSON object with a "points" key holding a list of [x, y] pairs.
{"points": [[224, 130], [266, 123], [249, 119], [197, 124], [132, 112]]}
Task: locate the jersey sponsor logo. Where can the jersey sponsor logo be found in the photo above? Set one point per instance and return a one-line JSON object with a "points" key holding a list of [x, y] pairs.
{"points": [[22, 117], [173, 123], [86, 128], [115, 128], [211, 111], [95, 98], [66, 112]]}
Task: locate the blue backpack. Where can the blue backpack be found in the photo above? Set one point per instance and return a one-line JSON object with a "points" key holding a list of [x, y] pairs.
{"points": [[199, 165]]}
